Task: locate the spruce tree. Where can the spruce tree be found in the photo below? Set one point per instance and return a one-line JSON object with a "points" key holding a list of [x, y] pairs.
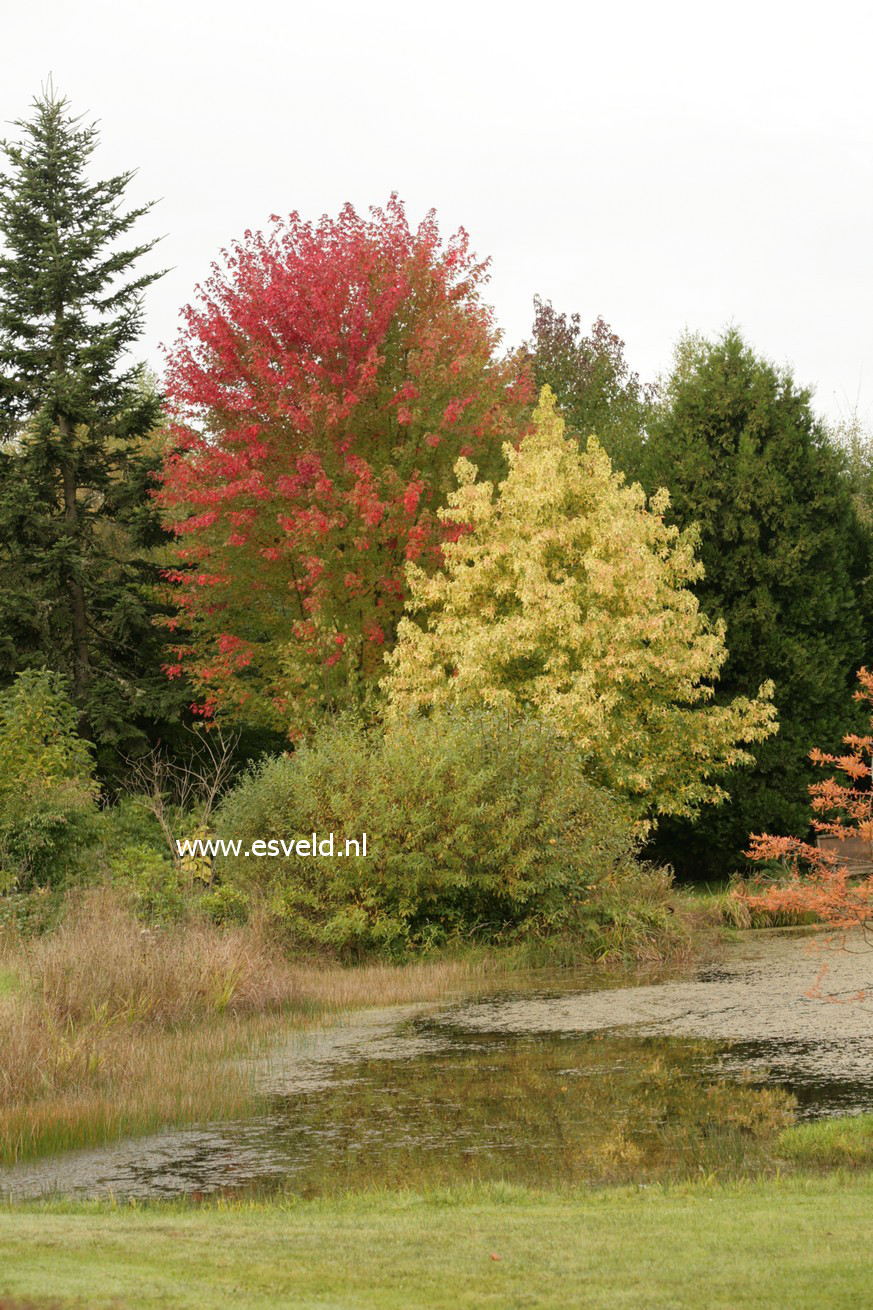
{"points": [[738, 446], [76, 414]]}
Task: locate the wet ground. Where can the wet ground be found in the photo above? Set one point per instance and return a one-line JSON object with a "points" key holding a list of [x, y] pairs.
{"points": [[557, 1080]]}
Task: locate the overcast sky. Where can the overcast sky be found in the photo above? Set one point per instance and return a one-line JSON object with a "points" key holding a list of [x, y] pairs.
{"points": [[664, 165]]}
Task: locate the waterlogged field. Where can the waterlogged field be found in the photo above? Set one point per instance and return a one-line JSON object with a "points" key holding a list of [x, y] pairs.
{"points": [[549, 1083]]}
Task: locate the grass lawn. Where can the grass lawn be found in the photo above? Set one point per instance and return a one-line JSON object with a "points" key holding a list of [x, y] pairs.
{"points": [[798, 1243]]}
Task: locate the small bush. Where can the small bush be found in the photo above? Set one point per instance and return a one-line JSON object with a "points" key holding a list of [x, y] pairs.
{"points": [[152, 881], [48, 815], [224, 906], [129, 822], [478, 826], [29, 914]]}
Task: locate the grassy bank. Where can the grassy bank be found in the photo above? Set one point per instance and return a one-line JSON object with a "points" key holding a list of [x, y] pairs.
{"points": [[830, 1143], [800, 1243], [718, 904]]}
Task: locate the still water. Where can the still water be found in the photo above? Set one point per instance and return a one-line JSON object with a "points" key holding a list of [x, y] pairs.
{"points": [[555, 1081]]}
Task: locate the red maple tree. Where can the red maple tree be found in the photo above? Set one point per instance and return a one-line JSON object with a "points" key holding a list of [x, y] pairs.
{"points": [[817, 879], [325, 384]]}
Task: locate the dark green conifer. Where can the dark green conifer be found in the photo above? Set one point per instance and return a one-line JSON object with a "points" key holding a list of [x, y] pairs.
{"points": [[77, 415], [743, 455]]}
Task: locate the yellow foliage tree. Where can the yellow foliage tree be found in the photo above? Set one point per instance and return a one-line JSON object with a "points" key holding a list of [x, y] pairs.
{"points": [[567, 593]]}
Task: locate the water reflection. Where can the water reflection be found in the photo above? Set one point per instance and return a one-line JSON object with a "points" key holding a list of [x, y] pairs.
{"points": [[539, 1110], [450, 1106], [561, 1085]]}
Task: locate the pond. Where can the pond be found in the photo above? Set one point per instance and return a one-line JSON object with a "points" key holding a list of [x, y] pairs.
{"points": [[554, 1081]]}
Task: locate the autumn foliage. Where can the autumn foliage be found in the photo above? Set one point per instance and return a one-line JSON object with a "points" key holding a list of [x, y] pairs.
{"points": [[570, 597], [327, 381], [818, 880]]}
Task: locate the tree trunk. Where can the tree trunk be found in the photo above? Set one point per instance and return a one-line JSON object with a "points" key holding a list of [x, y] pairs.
{"points": [[79, 624]]}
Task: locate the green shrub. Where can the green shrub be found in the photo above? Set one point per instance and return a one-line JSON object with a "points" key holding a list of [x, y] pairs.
{"points": [[133, 854], [478, 826], [153, 882], [48, 814], [30, 913], [225, 905], [130, 821]]}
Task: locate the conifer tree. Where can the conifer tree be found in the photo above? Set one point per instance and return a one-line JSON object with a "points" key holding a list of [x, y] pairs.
{"points": [[76, 416], [785, 560]]}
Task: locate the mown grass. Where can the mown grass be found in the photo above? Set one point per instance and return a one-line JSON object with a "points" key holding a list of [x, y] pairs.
{"points": [[801, 1243], [830, 1143]]}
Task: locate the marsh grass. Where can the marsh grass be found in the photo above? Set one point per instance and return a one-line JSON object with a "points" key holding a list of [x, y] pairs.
{"points": [[96, 1088], [720, 903], [109, 1028], [830, 1143], [114, 1030]]}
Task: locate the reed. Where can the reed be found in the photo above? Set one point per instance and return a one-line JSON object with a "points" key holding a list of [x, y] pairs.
{"points": [[111, 1030]]}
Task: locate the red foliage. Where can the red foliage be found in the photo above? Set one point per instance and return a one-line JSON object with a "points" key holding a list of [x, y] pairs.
{"points": [[324, 387], [817, 879]]}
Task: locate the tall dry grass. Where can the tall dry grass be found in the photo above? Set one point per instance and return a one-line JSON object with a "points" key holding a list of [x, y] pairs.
{"points": [[100, 962], [111, 1030]]}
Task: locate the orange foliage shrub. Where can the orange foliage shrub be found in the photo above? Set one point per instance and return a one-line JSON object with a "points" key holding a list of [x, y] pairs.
{"points": [[817, 879]]}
